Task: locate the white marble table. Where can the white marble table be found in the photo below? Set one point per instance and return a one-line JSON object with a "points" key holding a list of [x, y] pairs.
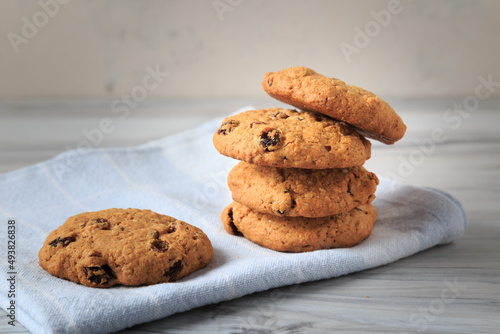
{"points": [[453, 288]]}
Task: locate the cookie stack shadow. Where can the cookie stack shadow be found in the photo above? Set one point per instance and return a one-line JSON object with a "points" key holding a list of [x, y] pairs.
{"points": [[301, 185]]}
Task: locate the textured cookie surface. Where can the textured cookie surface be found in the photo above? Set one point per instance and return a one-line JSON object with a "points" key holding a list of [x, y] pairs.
{"points": [[301, 192], [124, 246], [288, 138], [298, 234], [308, 90]]}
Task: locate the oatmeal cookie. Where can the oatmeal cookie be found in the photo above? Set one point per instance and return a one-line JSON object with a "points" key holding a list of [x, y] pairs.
{"points": [[291, 139], [305, 89], [298, 234], [301, 192], [124, 246]]}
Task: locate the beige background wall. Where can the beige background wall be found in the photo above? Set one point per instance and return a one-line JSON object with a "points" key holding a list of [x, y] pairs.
{"points": [[222, 48]]}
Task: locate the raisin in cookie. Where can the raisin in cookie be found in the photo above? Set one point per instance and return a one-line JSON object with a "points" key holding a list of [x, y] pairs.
{"points": [[124, 246], [298, 234], [301, 192], [288, 138], [308, 90]]}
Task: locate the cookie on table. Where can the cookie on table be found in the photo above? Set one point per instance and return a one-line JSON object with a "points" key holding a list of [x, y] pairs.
{"points": [[305, 89], [124, 246], [301, 192], [287, 138], [299, 234]]}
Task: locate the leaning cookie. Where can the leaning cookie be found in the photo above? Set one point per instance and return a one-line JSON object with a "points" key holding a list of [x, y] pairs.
{"points": [[301, 192], [305, 89], [298, 234], [288, 138], [124, 246]]}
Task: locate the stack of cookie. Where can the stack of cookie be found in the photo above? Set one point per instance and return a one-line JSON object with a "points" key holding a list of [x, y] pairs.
{"points": [[301, 185]]}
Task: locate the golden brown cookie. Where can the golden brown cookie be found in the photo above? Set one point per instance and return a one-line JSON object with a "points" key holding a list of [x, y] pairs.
{"points": [[301, 192], [124, 246], [298, 234], [305, 89], [288, 138]]}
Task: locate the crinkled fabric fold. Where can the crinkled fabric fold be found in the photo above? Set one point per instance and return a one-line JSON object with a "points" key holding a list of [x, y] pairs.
{"points": [[185, 177]]}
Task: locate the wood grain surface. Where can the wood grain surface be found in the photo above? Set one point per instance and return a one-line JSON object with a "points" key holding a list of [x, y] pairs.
{"points": [[453, 288]]}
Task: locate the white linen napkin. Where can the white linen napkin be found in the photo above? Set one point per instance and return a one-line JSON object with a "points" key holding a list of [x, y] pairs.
{"points": [[185, 177]]}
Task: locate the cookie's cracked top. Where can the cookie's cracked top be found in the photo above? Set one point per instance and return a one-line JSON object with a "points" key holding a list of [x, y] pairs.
{"points": [[124, 246], [301, 192], [287, 138], [305, 89]]}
